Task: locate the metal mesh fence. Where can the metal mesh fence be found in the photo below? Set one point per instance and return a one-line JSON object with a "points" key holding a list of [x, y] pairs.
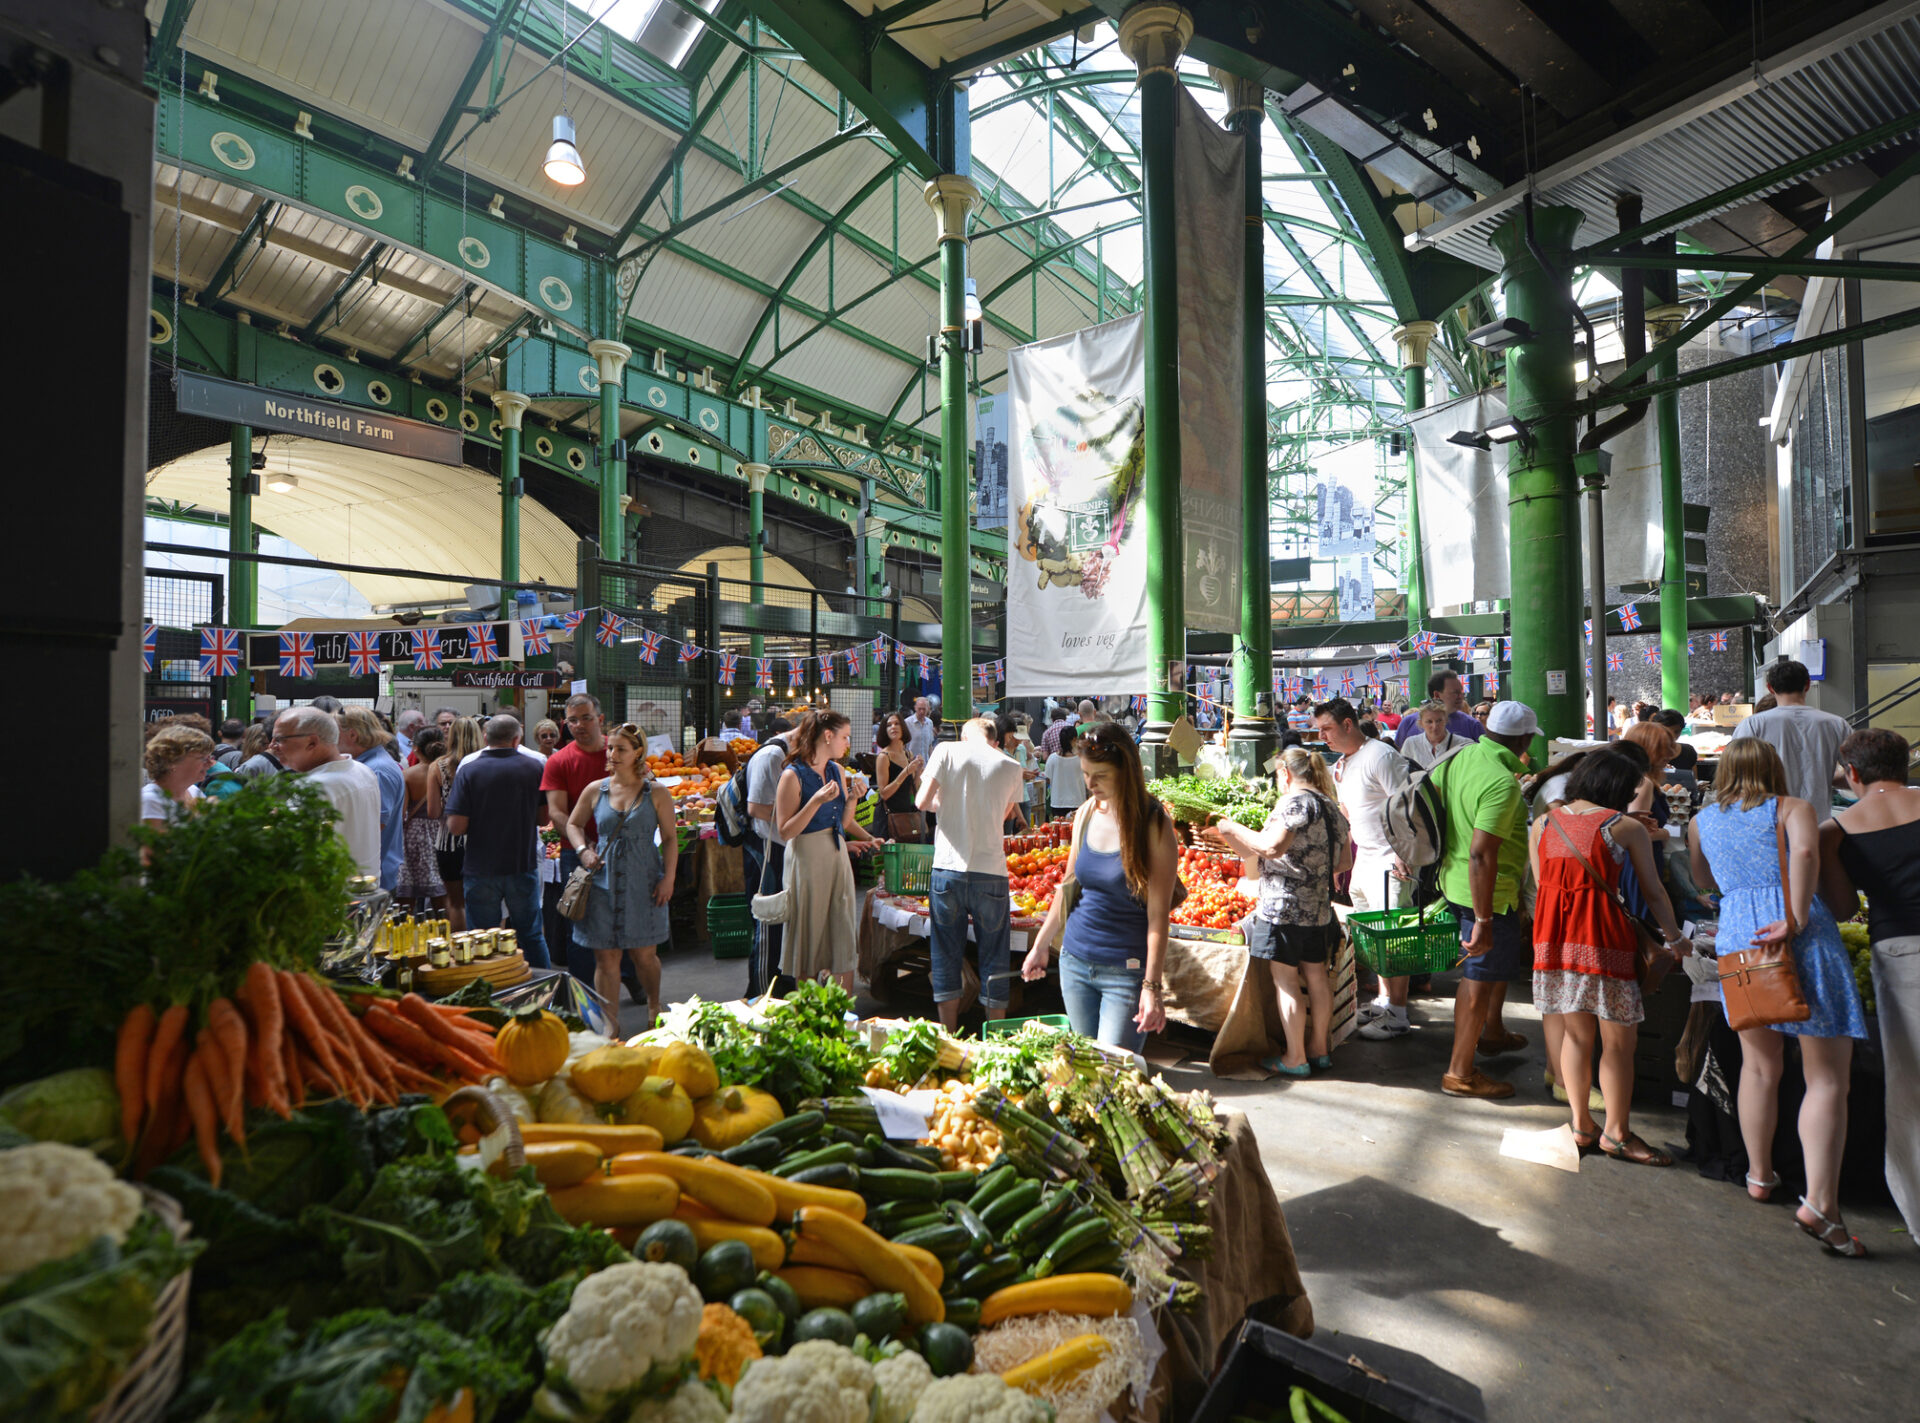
{"points": [[177, 602]]}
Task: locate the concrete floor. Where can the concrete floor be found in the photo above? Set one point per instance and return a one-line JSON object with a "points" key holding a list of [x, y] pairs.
{"points": [[1519, 1292]]}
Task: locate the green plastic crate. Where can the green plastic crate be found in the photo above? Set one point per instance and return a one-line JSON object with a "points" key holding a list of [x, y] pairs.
{"points": [[1007, 1027], [909, 868], [732, 943], [730, 911], [1393, 942]]}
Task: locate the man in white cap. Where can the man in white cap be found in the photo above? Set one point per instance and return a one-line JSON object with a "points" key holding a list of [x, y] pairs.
{"points": [[1480, 875]]}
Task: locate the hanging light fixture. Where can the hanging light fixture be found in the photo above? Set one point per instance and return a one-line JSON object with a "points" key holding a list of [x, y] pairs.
{"points": [[282, 483], [564, 165]]}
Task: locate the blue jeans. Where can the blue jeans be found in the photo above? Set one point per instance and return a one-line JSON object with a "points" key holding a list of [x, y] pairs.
{"points": [[1102, 1000], [955, 896], [521, 896]]}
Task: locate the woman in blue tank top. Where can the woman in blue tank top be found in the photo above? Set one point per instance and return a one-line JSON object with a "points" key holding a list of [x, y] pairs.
{"points": [[1126, 863]]}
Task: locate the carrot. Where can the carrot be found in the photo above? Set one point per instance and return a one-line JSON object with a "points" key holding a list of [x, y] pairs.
{"points": [[218, 1069], [200, 1104], [261, 993], [410, 1076], [425, 1051], [130, 1066], [300, 1013], [316, 1076], [231, 1030], [419, 1012], [296, 1087], [331, 1011], [156, 1144], [378, 1061], [167, 1036]]}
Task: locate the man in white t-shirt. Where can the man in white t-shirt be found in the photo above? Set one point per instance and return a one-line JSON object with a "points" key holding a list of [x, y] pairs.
{"points": [[1368, 772], [975, 790], [308, 740], [1807, 738]]}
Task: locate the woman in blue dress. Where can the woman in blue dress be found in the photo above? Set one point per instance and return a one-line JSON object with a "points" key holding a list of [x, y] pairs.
{"points": [[1735, 849], [632, 874]]}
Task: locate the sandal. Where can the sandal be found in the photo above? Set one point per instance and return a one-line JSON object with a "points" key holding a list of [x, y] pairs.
{"points": [[1848, 1246], [1274, 1064], [1623, 1150], [1769, 1187], [1588, 1142]]}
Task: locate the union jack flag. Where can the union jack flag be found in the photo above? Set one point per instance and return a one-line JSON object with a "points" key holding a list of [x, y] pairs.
{"points": [[363, 654], [1468, 644], [571, 621], [1506, 649], [1320, 687], [1589, 666], [649, 644], [853, 662], [1423, 645], [1587, 628], [796, 671], [899, 655], [826, 669], [1653, 657], [689, 653], [1393, 659], [219, 652], [1139, 705], [1689, 645], [729, 661], [533, 636], [426, 649], [608, 633], [1346, 682], [1492, 682], [296, 654], [1630, 617], [1616, 662], [763, 672], [482, 646], [1716, 642], [923, 664], [149, 645]]}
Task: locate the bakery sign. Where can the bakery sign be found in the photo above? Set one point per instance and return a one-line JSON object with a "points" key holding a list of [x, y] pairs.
{"points": [[427, 648]]}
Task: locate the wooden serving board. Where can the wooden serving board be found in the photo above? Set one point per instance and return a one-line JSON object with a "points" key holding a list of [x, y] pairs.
{"points": [[500, 970]]}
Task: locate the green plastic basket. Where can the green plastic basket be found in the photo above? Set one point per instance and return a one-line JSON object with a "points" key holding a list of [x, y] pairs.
{"points": [[730, 911], [1007, 1027], [732, 943], [909, 868], [1395, 942]]}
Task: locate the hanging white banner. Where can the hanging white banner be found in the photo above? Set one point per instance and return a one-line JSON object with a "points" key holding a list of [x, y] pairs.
{"points": [[1076, 551], [1356, 588], [1343, 500], [1463, 504], [1210, 236]]}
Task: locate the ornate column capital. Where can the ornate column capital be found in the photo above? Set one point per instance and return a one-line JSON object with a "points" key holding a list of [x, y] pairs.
{"points": [[1413, 340], [1154, 34], [613, 357], [953, 197], [1244, 96], [512, 406], [1664, 322], [756, 477]]}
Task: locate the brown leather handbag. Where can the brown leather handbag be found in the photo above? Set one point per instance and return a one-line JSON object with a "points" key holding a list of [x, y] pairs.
{"points": [[1761, 986], [1652, 960]]}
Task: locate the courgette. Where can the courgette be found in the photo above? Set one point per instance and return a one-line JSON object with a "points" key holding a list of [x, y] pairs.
{"points": [[983, 1279], [757, 1153], [1010, 1206], [894, 1157], [891, 1217], [839, 1154], [946, 1241], [797, 1127], [1069, 1243], [896, 1185], [1036, 1221], [841, 1175], [989, 1187], [910, 1224], [956, 1185], [866, 1160], [961, 1215], [964, 1313], [1100, 1256]]}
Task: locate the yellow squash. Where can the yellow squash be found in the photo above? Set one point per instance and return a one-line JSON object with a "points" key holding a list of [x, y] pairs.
{"points": [[557, 1164], [885, 1267], [734, 1193], [609, 1074], [733, 1114], [821, 1288], [789, 1196], [769, 1250], [1098, 1295], [617, 1200], [611, 1140], [1059, 1364], [662, 1104], [531, 1047], [691, 1068], [807, 1250]]}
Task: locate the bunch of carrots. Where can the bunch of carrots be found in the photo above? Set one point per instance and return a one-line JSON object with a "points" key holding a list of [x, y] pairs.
{"points": [[290, 1034]]}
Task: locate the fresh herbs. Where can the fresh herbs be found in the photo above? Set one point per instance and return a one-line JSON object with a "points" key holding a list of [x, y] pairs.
{"points": [[1196, 801], [806, 1048]]}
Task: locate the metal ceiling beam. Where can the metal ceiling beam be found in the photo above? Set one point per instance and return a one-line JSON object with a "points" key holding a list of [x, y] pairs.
{"points": [[1770, 267], [679, 153], [163, 52], [375, 250], [254, 231], [1019, 44], [486, 57], [452, 303]]}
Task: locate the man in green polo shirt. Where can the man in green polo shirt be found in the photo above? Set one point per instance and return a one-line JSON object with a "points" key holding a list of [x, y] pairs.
{"points": [[1480, 875]]}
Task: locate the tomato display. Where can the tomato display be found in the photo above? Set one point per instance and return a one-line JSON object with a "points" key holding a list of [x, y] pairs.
{"points": [[1214, 900]]}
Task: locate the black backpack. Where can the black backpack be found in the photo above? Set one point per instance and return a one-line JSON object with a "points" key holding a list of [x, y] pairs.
{"points": [[731, 821]]}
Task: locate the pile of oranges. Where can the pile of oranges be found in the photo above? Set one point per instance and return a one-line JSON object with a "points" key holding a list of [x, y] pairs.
{"points": [[693, 780]]}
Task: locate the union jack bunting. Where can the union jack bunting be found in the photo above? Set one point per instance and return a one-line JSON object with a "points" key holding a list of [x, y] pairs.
{"points": [[149, 645], [1716, 642], [853, 662], [1139, 705], [1587, 628], [1589, 666], [482, 646], [1320, 687], [690, 653], [426, 649], [363, 654], [1689, 645], [533, 636], [1630, 617], [608, 633], [1616, 662], [899, 655], [571, 621], [826, 670], [1468, 644], [1653, 657], [729, 663], [1506, 649], [1346, 682], [296, 654], [1423, 645], [1493, 682], [796, 671], [219, 652], [922, 659], [649, 644], [763, 672], [1393, 659]]}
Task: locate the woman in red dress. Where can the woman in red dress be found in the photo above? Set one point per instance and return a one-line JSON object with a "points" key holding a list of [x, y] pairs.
{"points": [[1583, 943]]}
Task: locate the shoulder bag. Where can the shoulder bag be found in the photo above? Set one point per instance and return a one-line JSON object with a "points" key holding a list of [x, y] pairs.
{"points": [[1651, 959], [1760, 985], [573, 897]]}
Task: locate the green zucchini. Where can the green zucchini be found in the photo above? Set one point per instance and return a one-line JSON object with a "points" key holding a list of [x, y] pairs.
{"points": [[841, 1175], [983, 1279], [1036, 1221], [982, 1238], [909, 1224], [894, 1185], [896, 1157], [946, 1241], [840, 1153], [1096, 1257], [756, 1152], [956, 1185], [989, 1187], [1010, 1206], [964, 1313], [790, 1129], [1069, 1243]]}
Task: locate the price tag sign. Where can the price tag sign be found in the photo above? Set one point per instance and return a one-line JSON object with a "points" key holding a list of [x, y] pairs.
{"points": [[1556, 683], [903, 1115]]}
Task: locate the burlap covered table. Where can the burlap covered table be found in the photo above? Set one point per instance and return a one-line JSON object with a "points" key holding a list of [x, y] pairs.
{"points": [[1219, 989], [1252, 1270]]}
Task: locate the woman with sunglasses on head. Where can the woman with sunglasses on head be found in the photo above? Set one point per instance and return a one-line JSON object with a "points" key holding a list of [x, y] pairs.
{"points": [[1126, 862], [814, 813], [632, 874]]}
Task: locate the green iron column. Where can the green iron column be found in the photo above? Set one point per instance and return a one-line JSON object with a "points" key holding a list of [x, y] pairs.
{"points": [[1542, 488], [1413, 340], [1676, 679], [1153, 35], [952, 198], [513, 406], [756, 546], [613, 357], [1253, 739], [243, 575]]}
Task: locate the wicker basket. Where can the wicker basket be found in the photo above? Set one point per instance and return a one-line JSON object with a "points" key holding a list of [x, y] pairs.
{"points": [[143, 1392]]}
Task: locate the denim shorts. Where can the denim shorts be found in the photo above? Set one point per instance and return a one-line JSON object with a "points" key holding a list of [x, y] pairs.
{"points": [[955, 897], [1291, 944], [1510, 955]]}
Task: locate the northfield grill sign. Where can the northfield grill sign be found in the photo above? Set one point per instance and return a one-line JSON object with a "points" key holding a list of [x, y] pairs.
{"points": [[341, 424]]}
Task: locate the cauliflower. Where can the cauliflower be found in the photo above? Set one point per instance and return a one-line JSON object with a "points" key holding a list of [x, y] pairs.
{"points": [[902, 1379], [978, 1398], [695, 1402], [816, 1382], [59, 1198], [629, 1327]]}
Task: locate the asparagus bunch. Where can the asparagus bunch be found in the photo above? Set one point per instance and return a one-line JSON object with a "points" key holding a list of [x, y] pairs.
{"points": [[1054, 1145]]}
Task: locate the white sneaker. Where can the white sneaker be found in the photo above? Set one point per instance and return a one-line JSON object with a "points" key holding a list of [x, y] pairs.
{"points": [[1369, 1011], [1387, 1025]]}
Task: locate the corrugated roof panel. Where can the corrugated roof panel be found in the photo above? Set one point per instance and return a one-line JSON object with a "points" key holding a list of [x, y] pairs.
{"points": [[842, 368], [688, 300]]}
